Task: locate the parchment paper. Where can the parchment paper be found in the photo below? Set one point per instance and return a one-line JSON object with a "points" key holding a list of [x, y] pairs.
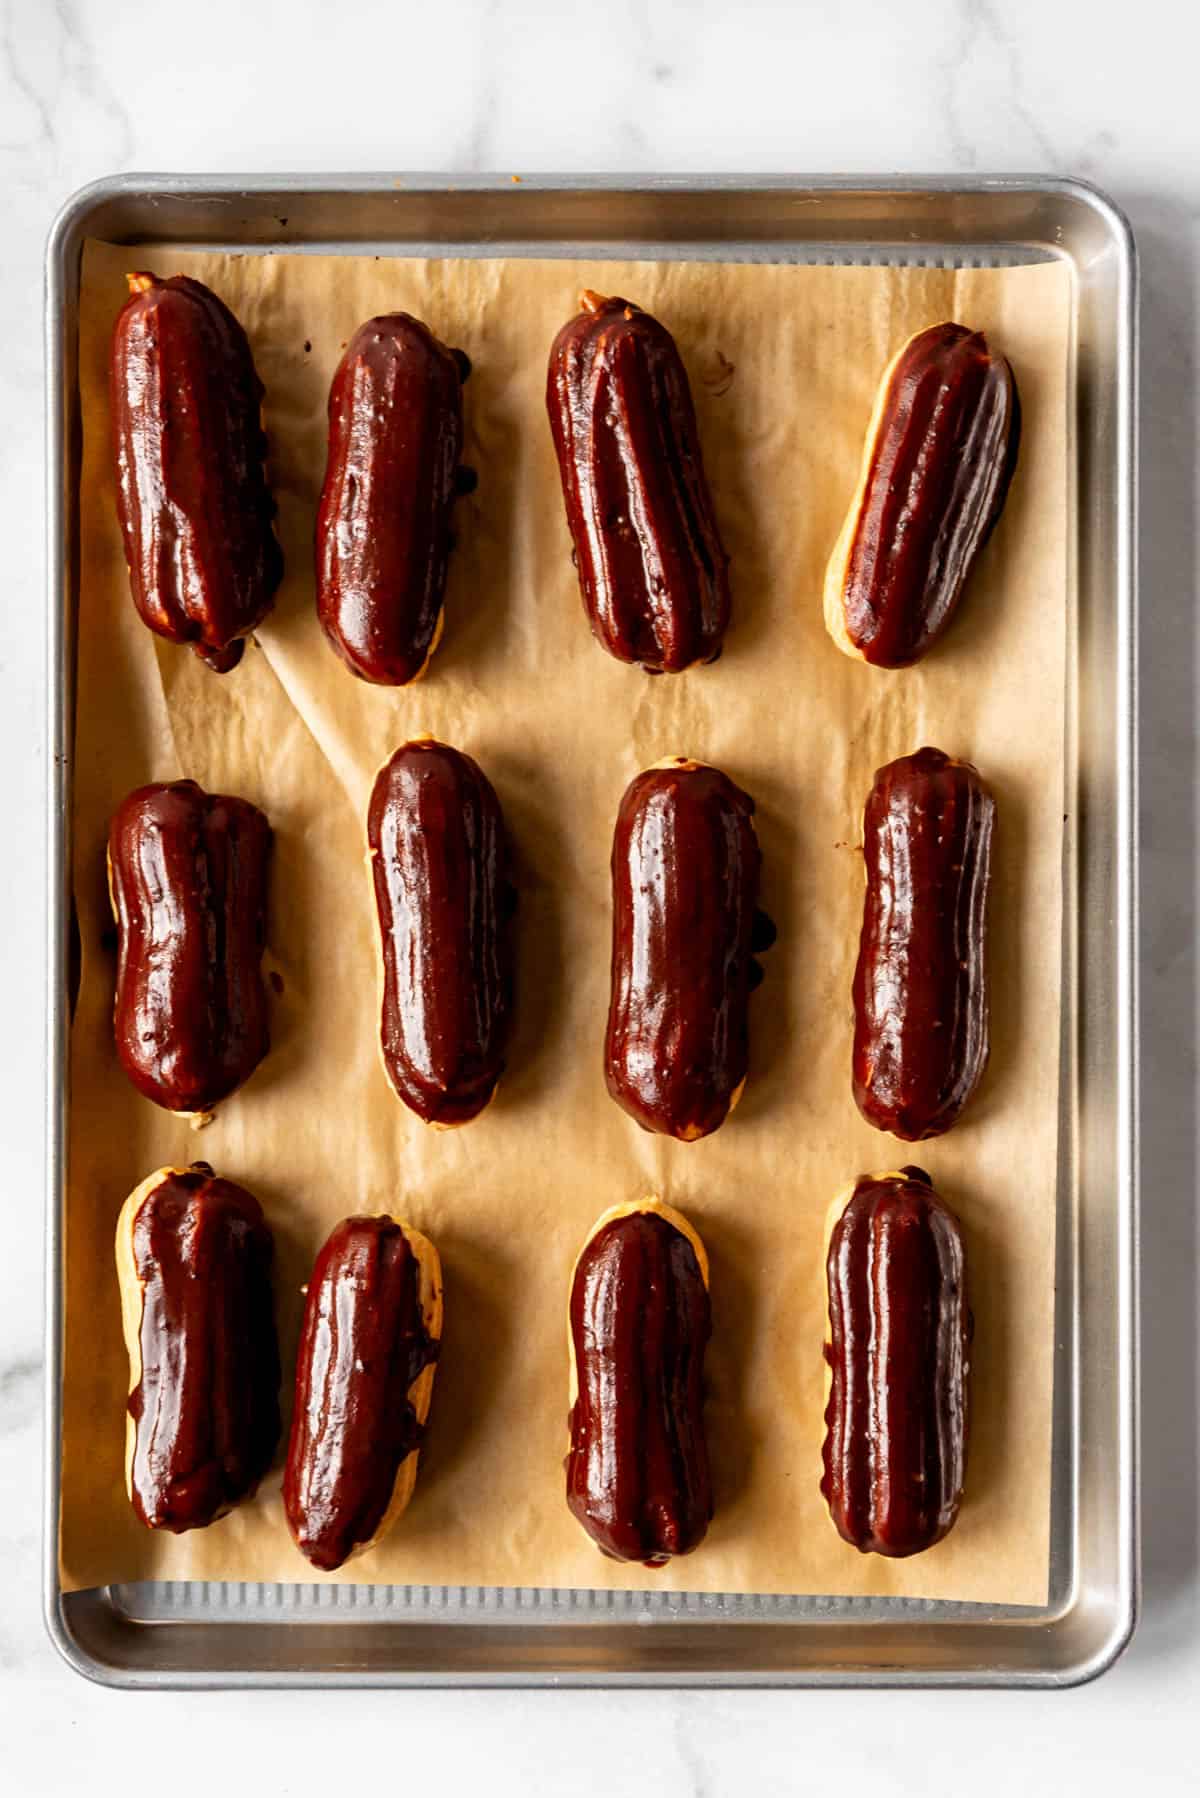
{"points": [[783, 363]]}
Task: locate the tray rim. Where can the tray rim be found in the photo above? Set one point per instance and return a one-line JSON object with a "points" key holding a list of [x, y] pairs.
{"points": [[67, 227]]}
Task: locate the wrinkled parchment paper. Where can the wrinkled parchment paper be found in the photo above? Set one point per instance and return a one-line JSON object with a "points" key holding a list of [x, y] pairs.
{"points": [[783, 363]]}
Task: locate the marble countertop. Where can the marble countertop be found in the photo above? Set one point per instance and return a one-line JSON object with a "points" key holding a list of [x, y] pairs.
{"points": [[1097, 90]]}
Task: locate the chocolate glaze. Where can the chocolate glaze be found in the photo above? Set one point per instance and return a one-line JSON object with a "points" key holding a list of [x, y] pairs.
{"points": [[192, 493], [383, 527], [896, 1420], [920, 986], [362, 1345], [685, 867], [206, 1407], [188, 878], [652, 568], [439, 861], [944, 454], [637, 1470]]}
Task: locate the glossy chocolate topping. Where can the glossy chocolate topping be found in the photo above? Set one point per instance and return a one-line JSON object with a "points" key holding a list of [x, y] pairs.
{"points": [[896, 1420], [637, 1470], [206, 1407], [651, 564], [439, 861], [362, 1346], [383, 528], [920, 986], [944, 455], [192, 494], [685, 867], [188, 879]]}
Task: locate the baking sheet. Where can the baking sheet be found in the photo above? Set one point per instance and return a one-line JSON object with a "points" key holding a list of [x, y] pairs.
{"points": [[783, 363]]}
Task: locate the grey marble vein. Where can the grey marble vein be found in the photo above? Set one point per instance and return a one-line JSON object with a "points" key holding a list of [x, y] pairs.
{"points": [[20, 1388], [47, 58], [985, 36], [477, 152], [79, 62], [14, 77], [685, 1739]]}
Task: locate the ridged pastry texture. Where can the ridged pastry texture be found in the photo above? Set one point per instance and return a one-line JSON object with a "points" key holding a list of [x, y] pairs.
{"points": [[364, 1379], [639, 1322], [187, 874], [652, 568], [940, 453], [440, 868], [391, 477], [194, 1256], [920, 982], [192, 497], [685, 925], [894, 1455]]}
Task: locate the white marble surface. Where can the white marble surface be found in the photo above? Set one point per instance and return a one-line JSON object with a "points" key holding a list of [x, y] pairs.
{"points": [[1092, 88]]}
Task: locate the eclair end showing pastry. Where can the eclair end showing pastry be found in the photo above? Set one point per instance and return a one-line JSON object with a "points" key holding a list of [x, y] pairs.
{"points": [[364, 1382], [639, 1321], [194, 1256], [897, 1364], [939, 456]]}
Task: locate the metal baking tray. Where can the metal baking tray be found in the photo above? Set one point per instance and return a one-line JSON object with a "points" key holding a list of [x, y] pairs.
{"points": [[180, 1634]]}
